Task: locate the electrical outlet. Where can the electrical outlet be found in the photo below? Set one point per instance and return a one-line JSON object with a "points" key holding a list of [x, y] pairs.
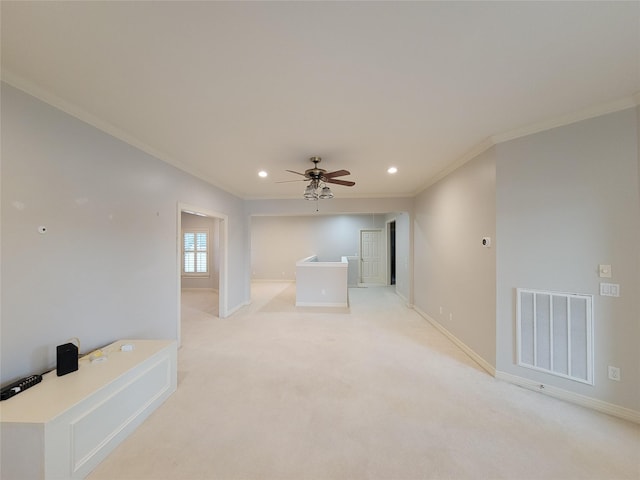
{"points": [[451, 316], [614, 373], [441, 310]]}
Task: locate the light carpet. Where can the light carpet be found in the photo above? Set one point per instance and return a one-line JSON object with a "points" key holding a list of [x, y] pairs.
{"points": [[369, 392]]}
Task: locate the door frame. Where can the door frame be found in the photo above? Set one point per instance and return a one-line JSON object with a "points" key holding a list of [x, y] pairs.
{"points": [[391, 254], [223, 221]]}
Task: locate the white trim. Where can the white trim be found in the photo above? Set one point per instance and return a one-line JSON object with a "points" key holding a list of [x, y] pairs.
{"points": [[314, 264], [467, 157], [320, 304], [36, 91], [568, 119], [405, 299], [575, 398], [223, 226], [463, 346], [236, 308], [563, 120], [560, 393], [273, 280]]}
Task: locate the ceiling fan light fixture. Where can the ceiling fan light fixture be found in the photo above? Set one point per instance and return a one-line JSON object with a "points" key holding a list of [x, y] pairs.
{"points": [[318, 179], [326, 193], [310, 192]]}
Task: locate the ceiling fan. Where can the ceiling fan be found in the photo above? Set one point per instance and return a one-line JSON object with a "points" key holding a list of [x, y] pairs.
{"points": [[318, 179]]}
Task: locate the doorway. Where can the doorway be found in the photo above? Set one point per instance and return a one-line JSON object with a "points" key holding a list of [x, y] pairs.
{"points": [[391, 242], [210, 229]]}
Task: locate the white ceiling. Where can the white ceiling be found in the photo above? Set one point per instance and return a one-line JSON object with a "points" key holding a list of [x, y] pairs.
{"points": [[223, 90]]}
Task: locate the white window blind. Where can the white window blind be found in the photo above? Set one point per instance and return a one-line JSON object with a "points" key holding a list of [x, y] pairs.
{"points": [[195, 252]]}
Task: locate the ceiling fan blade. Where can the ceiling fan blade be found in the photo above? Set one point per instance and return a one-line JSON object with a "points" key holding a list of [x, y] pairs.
{"points": [[297, 173], [337, 173], [346, 183], [289, 181]]}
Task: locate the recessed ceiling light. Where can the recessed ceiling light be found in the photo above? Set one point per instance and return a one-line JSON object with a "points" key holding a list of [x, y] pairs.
{"points": [[392, 170], [262, 174]]}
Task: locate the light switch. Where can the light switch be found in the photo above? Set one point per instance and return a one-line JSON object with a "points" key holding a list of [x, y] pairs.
{"points": [[605, 271]]}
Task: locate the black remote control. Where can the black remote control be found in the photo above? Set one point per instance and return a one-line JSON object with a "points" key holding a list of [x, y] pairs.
{"points": [[19, 386]]}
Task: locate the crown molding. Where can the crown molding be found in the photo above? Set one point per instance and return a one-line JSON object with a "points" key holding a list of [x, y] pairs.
{"points": [[568, 119], [479, 149], [36, 91], [584, 114]]}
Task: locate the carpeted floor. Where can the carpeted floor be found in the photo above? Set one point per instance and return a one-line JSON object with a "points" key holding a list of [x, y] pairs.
{"points": [[371, 392]]}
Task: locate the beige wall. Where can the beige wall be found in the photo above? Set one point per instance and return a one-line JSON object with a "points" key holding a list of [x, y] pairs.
{"points": [[384, 209], [556, 204], [108, 266], [567, 201], [278, 242], [452, 270]]}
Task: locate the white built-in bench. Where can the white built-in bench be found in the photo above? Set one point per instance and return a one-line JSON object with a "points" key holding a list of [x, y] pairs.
{"points": [[64, 426]]}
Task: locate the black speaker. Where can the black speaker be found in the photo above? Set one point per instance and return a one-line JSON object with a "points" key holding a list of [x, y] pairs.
{"points": [[67, 356]]}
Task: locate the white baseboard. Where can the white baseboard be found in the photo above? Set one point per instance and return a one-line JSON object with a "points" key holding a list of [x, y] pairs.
{"points": [[566, 395], [404, 299], [236, 308], [273, 280], [576, 398], [463, 346], [318, 304]]}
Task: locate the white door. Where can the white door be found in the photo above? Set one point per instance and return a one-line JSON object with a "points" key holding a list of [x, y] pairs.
{"points": [[371, 261]]}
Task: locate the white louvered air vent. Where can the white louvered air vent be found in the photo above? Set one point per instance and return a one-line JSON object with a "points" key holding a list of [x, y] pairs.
{"points": [[555, 333]]}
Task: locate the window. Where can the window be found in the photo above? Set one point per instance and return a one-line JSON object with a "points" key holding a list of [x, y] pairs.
{"points": [[195, 253]]}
